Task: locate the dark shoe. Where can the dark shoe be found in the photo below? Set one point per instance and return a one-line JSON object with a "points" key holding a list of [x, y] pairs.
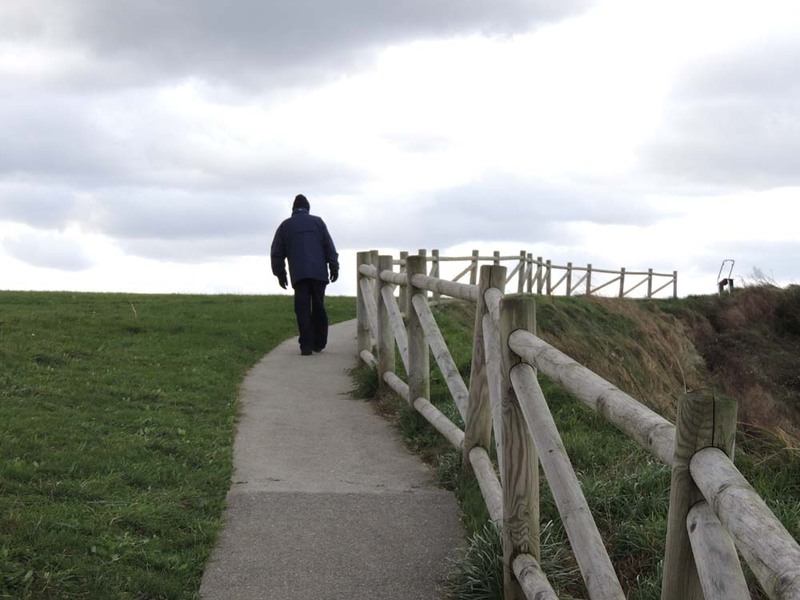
{"points": [[305, 352]]}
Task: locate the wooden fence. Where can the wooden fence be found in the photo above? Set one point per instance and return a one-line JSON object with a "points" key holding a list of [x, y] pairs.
{"points": [[713, 510], [536, 275]]}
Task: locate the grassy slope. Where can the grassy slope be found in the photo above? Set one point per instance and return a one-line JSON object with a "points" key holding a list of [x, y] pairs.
{"points": [[751, 342], [117, 416], [649, 350]]}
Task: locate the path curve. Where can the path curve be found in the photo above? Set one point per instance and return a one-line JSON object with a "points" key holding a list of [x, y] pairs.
{"points": [[325, 501]]}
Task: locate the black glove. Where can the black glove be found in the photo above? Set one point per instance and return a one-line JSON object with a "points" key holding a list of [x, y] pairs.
{"points": [[334, 275], [282, 281]]}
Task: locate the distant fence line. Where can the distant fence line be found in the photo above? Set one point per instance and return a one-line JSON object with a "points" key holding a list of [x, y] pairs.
{"points": [[713, 509], [536, 275]]}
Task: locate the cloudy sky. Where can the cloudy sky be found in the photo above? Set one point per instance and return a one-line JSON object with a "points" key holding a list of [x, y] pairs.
{"points": [[154, 146]]}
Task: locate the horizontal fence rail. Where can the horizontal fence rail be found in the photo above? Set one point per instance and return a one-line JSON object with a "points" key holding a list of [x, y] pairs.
{"points": [[713, 510], [540, 276]]}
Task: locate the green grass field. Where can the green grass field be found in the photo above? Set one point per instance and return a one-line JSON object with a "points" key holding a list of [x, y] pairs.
{"points": [[117, 415]]}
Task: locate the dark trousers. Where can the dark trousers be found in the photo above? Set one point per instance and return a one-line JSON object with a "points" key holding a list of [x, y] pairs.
{"points": [[312, 320]]}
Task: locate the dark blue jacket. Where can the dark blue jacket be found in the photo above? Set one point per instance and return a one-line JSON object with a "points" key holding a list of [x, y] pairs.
{"points": [[304, 240]]}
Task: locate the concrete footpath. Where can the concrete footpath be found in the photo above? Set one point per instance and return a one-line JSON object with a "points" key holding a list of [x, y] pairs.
{"points": [[325, 501]]}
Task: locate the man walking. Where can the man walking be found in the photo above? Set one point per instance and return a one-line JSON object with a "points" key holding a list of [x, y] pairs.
{"points": [[304, 240]]}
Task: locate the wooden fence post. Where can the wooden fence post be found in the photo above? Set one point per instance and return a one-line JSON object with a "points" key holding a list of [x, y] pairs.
{"points": [[674, 284], [539, 275], [702, 421], [529, 275], [589, 279], [549, 277], [522, 265], [435, 271], [478, 420], [386, 354], [473, 274], [520, 477], [420, 252], [419, 384], [496, 258], [569, 279], [402, 295], [362, 327], [649, 283], [373, 260]]}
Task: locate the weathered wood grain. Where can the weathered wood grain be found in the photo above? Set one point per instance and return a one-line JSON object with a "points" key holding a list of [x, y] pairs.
{"points": [[532, 579], [703, 421], [363, 330], [386, 345], [398, 326], [650, 430], [462, 291], [587, 544], [418, 355], [441, 353], [489, 483], [770, 551], [478, 418], [718, 565], [520, 476]]}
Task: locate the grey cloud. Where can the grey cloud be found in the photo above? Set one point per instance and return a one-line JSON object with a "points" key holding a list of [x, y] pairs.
{"points": [[503, 209], [39, 206], [734, 121], [253, 41], [93, 142], [48, 250], [46, 137], [164, 215], [197, 251]]}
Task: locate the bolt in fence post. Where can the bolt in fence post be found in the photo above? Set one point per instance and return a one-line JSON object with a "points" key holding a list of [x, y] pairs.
{"points": [[703, 421], [622, 282], [362, 318], [402, 294], [478, 420], [473, 274], [419, 382], [520, 477], [386, 353]]}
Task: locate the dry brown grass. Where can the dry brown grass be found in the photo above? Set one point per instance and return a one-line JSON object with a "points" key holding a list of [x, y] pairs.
{"points": [[738, 346], [645, 353], [750, 345]]}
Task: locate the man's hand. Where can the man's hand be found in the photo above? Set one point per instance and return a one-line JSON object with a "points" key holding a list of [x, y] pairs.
{"points": [[334, 275], [282, 281]]}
